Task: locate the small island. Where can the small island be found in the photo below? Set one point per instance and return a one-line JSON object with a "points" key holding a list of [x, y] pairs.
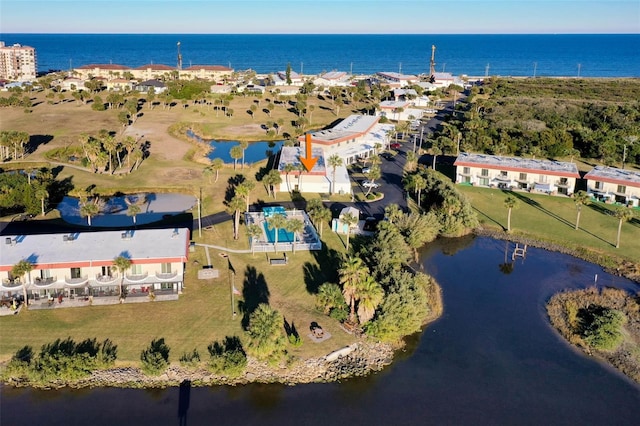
{"points": [[602, 323]]}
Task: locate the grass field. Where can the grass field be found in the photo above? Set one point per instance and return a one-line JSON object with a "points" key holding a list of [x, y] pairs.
{"points": [[204, 311], [552, 219]]}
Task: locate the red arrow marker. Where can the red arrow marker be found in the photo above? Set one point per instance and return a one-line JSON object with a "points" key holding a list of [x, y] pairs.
{"points": [[308, 161]]}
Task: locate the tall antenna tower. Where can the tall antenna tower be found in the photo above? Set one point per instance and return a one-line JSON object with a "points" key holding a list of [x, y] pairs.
{"points": [[179, 57], [432, 63]]}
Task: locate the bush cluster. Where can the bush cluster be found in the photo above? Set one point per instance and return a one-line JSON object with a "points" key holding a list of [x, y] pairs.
{"points": [[61, 360]]}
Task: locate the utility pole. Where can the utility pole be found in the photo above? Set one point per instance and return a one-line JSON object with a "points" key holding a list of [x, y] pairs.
{"points": [[432, 63], [400, 68], [579, 66], [486, 71], [199, 215], [444, 64], [535, 66], [179, 57], [351, 69]]}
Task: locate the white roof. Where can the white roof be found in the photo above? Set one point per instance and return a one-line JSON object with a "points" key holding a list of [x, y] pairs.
{"points": [[145, 244], [352, 125], [614, 175]]}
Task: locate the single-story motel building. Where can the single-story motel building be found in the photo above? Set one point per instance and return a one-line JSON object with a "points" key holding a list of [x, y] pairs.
{"points": [[610, 184], [527, 174], [355, 137], [78, 269]]}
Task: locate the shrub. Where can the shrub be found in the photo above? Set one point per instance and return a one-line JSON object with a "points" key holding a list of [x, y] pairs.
{"points": [[602, 329], [295, 340], [227, 357], [190, 359], [155, 358]]}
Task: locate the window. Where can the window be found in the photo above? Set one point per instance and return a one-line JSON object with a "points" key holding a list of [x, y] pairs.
{"points": [[466, 170], [484, 172], [45, 273], [75, 273], [503, 173], [543, 179], [523, 176], [136, 269], [483, 181], [166, 268], [599, 185], [621, 189], [106, 271]]}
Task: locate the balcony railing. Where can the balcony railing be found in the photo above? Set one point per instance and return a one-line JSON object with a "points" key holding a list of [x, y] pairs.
{"points": [[136, 277], [77, 280], [562, 184], [166, 275], [106, 279], [11, 283], [45, 281]]}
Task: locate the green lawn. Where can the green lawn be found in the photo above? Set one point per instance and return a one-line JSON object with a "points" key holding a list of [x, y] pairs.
{"points": [[552, 219], [203, 313]]}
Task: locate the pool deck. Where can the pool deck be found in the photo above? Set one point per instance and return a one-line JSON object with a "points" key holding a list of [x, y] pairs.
{"points": [[307, 240]]}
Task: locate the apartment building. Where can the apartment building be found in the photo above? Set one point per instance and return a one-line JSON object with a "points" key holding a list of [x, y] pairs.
{"points": [[610, 184], [551, 177], [17, 62]]}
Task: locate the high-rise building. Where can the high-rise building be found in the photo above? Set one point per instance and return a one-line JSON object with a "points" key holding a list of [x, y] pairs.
{"points": [[17, 62]]}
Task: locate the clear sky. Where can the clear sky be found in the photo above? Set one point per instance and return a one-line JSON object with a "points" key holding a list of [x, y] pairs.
{"points": [[320, 16]]}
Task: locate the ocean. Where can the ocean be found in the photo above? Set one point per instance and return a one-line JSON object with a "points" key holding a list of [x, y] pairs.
{"points": [[584, 55]]}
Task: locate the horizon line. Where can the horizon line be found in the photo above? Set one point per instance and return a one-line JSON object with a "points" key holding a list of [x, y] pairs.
{"points": [[324, 34]]}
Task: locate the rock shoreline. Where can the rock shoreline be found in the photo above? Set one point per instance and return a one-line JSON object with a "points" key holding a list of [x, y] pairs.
{"points": [[363, 358], [623, 268]]}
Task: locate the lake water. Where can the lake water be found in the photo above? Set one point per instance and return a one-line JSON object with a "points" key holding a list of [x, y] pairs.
{"points": [[491, 359], [256, 151]]}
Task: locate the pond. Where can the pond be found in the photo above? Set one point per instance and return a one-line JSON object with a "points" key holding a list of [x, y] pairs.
{"points": [[491, 359], [256, 151]]}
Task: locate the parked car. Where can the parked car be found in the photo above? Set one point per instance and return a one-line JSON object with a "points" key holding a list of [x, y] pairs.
{"points": [[370, 224], [366, 170], [369, 184], [395, 145]]}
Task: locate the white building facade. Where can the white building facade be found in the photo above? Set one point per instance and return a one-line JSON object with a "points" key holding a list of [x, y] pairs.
{"points": [[79, 267], [610, 184], [550, 177], [18, 62]]}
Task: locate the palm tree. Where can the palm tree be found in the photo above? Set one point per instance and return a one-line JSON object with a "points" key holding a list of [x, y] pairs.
{"points": [[288, 168], [580, 198], [254, 231], [623, 214], [351, 272], [121, 264], [323, 215], [374, 174], [392, 212], [236, 153], [329, 297], [370, 294], [42, 195], [266, 333], [510, 203], [271, 180], [89, 208], [350, 220], [277, 221], [295, 226], [416, 182], [244, 190], [334, 161], [235, 206], [133, 210], [216, 165], [411, 162], [20, 269], [244, 145]]}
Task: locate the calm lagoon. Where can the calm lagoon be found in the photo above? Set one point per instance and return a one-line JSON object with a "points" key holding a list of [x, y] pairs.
{"points": [[491, 359]]}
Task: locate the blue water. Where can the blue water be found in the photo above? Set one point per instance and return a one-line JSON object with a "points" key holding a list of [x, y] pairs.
{"points": [[589, 55], [283, 235], [256, 151]]}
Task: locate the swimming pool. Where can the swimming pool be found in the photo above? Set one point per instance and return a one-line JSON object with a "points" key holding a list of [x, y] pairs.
{"points": [[283, 235]]}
